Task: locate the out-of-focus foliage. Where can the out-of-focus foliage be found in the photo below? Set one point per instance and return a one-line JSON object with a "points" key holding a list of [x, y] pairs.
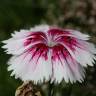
{"points": [[20, 14]]}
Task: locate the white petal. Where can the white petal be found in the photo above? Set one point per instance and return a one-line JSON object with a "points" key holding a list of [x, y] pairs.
{"points": [[25, 67], [88, 46], [13, 46], [25, 33], [42, 28], [16, 47], [68, 71], [84, 57], [76, 69], [78, 34], [20, 34], [91, 47], [61, 72], [42, 71], [19, 64]]}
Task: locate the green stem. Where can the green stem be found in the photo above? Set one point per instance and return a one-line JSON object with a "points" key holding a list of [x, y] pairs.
{"points": [[51, 91]]}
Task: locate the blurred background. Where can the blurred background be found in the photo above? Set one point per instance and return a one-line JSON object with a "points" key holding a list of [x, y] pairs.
{"points": [[23, 14]]}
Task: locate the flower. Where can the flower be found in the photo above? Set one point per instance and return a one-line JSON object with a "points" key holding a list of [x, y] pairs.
{"points": [[49, 53]]}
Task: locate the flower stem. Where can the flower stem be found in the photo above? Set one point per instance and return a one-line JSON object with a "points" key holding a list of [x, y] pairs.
{"points": [[51, 91]]}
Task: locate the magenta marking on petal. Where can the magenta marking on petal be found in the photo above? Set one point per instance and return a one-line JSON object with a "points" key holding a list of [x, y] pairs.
{"points": [[38, 33], [69, 41], [59, 35], [28, 41], [82, 45], [54, 33], [40, 49], [56, 51], [35, 37]]}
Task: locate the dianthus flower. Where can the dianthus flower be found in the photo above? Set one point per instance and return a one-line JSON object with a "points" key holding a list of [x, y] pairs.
{"points": [[49, 53]]}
